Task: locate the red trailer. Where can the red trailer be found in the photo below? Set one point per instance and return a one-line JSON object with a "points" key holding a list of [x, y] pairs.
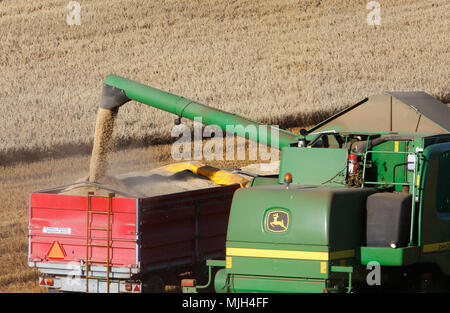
{"points": [[103, 243]]}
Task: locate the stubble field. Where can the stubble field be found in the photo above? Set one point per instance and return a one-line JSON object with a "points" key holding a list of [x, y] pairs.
{"points": [[275, 61], [281, 61]]}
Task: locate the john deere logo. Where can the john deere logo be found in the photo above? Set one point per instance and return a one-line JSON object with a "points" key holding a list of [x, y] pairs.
{"points": [[277, 221]]}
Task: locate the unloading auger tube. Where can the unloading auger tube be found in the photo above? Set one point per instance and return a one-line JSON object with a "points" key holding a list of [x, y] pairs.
{"points": [[118, 90]]}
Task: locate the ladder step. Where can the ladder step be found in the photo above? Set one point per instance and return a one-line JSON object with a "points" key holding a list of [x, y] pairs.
{"points": [[98, 228], [98, 212], [97, 277], [100, 196], [93, 261], [95, 245]]}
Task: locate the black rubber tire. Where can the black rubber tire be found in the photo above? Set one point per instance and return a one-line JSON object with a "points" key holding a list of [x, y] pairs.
{"points": [[154, 284]]}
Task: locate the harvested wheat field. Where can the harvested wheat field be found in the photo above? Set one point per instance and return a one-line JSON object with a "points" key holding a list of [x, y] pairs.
{"points": [[282, 62], [276, 61]]}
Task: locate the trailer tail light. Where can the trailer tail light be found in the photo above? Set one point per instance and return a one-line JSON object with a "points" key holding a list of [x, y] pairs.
{"points": [[188, 283], [132, 288], [351, 165], [46, 282]]}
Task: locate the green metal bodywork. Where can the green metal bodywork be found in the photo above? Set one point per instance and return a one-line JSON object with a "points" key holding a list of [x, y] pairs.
{"points": [[325, 217], [390, 257], [250, 283], [390, 167], [311, 166], [321, 219], [315, 215]]}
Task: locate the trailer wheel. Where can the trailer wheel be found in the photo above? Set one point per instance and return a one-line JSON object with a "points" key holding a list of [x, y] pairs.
{"points": [[154, 284]]}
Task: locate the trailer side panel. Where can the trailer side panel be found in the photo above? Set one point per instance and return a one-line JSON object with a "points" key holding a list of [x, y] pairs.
{"points": [[58, 229], [184, 227]]}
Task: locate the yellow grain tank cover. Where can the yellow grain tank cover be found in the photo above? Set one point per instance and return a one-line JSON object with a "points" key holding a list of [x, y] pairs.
{"points": [[218, 176]]}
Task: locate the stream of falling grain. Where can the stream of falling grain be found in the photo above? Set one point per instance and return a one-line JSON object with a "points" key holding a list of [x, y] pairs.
{"points": [[102, 143]]}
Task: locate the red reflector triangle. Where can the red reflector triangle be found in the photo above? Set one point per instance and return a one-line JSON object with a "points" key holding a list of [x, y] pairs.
{"points": [[42, 282], [136, 288], [56, 251]]}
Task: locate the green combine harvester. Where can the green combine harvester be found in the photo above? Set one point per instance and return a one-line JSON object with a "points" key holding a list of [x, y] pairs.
{"points": [[361, 202]]}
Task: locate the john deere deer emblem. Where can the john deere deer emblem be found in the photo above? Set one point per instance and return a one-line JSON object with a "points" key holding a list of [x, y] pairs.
{"points": [[277, 221]]}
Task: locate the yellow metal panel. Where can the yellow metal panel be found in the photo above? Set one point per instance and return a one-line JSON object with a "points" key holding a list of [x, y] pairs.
{"points": [[229, 262], [439, 246], [323, 267], [218, 176], [278, 254], [290, 254], [342, 254]]}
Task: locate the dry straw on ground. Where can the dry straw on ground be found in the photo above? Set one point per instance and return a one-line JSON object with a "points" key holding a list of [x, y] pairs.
{"points": [[276, 61], [279, 61]]}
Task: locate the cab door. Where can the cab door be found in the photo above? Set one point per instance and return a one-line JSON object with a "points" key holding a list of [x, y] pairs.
{"points": [[435, 200]]}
